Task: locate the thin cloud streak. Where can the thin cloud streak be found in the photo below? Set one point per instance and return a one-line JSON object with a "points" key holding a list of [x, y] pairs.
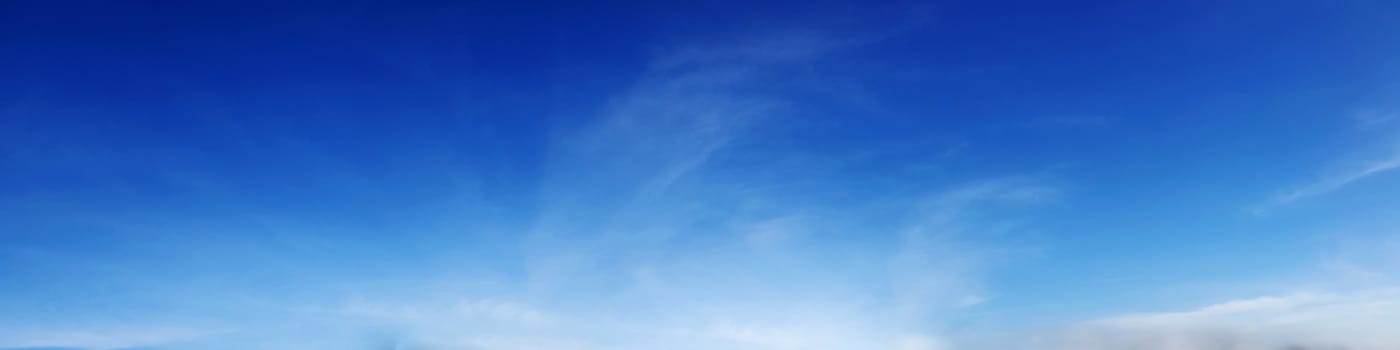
{"points": [[1357, 320], [1332, 183]]}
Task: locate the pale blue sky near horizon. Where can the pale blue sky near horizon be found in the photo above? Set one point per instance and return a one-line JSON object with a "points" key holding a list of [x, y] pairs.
{"points": [[900, 175]]}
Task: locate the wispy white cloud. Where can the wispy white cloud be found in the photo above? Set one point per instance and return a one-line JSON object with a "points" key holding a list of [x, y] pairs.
{"points": [[759, 288], [654, 271], [1335, 182], [1372, 119], [1390, 160], [1364, 259], [102, 337], [1331, 310], [646, 235], [1359, 320]]}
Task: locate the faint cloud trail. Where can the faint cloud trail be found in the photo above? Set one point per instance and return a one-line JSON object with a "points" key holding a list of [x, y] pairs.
{"points": [[646, 238], [1332, 183], [1342, 179], [1357, 320], [642, 242]]}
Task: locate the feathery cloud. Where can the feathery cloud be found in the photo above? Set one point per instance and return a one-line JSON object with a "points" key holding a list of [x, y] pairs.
{"points": [[1357, 320], [1390, 161]]}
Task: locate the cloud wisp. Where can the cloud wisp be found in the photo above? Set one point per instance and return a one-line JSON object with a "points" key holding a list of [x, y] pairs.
{"points": [[1334, 183], [1357, 320], [652, 229], [1385, 164], [684, 251], [1336, 310]]}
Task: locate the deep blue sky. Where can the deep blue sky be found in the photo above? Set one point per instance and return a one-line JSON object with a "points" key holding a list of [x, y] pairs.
{"points": [[786, 175]]}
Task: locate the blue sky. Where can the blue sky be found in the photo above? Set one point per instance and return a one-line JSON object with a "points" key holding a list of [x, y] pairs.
{"points": [[711, 175]]}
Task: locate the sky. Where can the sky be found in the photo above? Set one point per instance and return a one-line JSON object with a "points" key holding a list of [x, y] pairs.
{"points": [[815, 175]]}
